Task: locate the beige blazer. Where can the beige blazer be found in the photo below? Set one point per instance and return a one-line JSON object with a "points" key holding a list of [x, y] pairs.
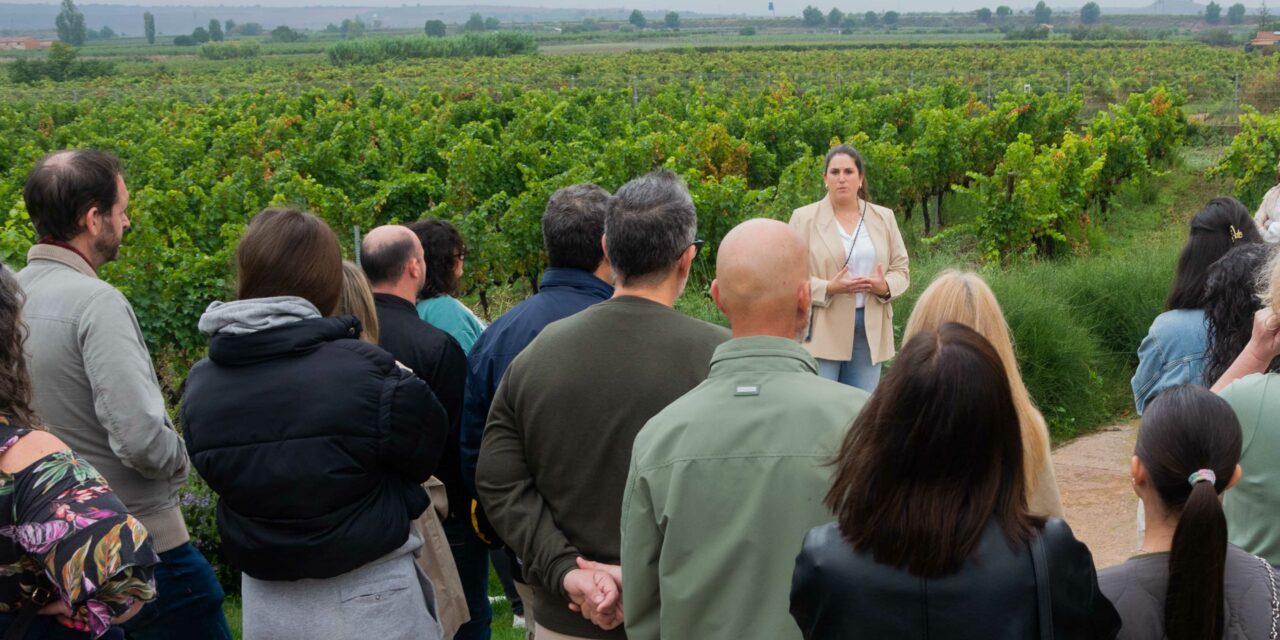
{"points": [[831, 333]]}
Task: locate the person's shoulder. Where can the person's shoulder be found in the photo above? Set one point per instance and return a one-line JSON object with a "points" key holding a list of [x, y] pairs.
{"points": [[1250, 388], [807, 212], [29, 448]]}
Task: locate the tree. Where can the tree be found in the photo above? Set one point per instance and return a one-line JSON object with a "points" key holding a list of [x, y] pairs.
{"points": [[748, 30], [184, 41], [672, 20], [1213, 13], [835, 17], [229, 27], [1003, 12], [352, 28], [1090, 13], [249, 29], [70, 23], [106, 33], [149, 27], [1043, 13], [200, 35], [435, 28], [637, 19], [849, 23], [474, 23], [871, 18], [813, 16], [283, 33], [215, 31], [890, 18], [491, 24], [983, 14], [1235, 14]]}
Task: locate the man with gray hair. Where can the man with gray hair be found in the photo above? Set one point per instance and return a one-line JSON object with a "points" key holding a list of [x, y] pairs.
{"points": [[553, 460]]}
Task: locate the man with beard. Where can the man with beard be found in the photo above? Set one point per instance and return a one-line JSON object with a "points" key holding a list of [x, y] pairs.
{"points": [[95, 387]]}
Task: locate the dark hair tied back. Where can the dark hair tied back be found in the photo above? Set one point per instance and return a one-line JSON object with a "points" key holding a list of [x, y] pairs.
{"points": [[1186, 429]]}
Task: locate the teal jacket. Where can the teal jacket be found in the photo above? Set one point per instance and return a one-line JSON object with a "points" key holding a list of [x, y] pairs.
{"points": [[723, 485]]}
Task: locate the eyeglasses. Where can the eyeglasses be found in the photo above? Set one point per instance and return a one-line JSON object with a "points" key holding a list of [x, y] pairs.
{"points": [[697, 246]]}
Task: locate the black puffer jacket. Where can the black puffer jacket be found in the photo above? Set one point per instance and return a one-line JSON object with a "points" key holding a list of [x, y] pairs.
{"points": [[316, 444], [838, 592]]}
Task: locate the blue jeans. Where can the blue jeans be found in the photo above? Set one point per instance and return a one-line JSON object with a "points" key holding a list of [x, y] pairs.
{"points": [[858, 370], [189, 601], [472, 559]]}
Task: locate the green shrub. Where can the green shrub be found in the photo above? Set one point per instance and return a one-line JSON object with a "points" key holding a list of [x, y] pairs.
{"points": [[468, 45], [199, 508], [230, 50], [62, 63]]}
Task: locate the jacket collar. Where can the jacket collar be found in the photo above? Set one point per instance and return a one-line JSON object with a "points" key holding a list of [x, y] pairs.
{"points": [[65, 257], [290, 340], [830, 231], [761, 353], [393, 302], [576, 279]]}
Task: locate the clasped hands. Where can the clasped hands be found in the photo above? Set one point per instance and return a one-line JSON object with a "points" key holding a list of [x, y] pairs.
{"points": [[595, 591], [874, 284]]}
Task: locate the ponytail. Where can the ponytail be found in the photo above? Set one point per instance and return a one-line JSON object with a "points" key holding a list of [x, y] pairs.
{"points": [[1190, 430], [1194, 603]]}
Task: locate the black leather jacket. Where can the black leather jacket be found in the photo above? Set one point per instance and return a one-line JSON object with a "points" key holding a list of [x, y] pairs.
{"points": [[838, 592]]}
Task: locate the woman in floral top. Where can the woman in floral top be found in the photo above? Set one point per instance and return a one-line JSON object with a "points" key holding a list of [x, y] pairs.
{"points": [[67, 545]]}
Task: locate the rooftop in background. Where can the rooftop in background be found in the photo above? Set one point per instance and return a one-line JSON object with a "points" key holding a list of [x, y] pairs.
{"points": [[23, 42]]}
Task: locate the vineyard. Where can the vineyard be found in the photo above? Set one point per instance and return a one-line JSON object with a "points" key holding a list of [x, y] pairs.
{"points": [[985, 162]]}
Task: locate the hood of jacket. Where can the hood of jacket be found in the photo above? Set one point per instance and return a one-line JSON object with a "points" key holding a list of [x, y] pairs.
{"points": [[242, 317], [257, 330]]}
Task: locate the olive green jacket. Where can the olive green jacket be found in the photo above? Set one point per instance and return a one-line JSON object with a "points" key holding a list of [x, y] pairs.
{"points": [[723, 485]]}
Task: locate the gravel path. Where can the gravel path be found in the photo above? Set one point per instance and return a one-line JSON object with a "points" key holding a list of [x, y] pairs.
{"points": [[1093, 477]]}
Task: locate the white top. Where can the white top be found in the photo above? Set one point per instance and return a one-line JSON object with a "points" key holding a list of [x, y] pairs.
{"points": [[862, 258]]}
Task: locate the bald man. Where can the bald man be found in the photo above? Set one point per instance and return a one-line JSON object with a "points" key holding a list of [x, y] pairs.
{"points": [[393, 259], [725, 482]]}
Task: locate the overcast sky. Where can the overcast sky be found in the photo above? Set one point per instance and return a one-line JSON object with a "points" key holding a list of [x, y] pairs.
{"points": [[751, 7]]}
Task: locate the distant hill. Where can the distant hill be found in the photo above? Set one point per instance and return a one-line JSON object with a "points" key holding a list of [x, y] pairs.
{"points": [[1164, 8], [127, 20]]}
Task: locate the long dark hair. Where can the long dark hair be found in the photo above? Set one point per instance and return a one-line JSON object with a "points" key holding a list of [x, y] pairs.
{"points": [[1222, 224], [442, 245], [934, 456], [15, 378], [1230, 300], [844, 149], [1183, 430]]}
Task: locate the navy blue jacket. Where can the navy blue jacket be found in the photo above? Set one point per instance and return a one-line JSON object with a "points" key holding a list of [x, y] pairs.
{"points": [[562, 293]]}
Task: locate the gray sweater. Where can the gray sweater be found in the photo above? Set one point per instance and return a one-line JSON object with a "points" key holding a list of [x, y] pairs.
{"points": [[1137, 589], [95, 387]]}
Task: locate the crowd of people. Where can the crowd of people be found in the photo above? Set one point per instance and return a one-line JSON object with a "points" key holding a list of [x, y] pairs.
{"points": [[630, 471]]}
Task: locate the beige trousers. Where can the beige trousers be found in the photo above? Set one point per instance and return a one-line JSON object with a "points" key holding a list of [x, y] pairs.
{"points": [[526, 597], [547, 634]]}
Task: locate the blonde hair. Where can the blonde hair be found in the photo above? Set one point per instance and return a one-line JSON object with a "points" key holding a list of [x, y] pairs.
{"points": [[964, 297], [1269, 284], [357, 300]]}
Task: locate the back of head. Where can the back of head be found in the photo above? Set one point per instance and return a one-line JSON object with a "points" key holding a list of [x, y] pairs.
{"points": [[1269, 284], [442, 246], [1215, 229], [15, 378], [1184, 430], [762, 279], [934, 456], [1230, 300], [65, 185], [385, 253], [572, 226], [357, 300], [289, 252], [651, 222], [964, 297]]}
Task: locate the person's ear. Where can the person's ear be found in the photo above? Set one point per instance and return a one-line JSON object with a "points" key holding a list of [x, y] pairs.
{"points": [[1235, 477], [804, 307], [1137, 472], [92, 222], [715, 296]]}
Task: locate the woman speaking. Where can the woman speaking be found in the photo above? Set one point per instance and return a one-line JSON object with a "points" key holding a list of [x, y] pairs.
{"points": [[857, 265]]}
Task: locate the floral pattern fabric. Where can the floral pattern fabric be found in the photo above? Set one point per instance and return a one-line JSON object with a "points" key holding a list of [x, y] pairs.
{"points": [[63, 532]]}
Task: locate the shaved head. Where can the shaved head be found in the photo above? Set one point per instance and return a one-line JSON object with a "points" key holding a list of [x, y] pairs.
{"points": [[762, 279]]}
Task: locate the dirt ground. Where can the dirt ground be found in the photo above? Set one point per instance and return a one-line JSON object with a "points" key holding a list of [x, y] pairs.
{"points": [[1093, 477]]}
